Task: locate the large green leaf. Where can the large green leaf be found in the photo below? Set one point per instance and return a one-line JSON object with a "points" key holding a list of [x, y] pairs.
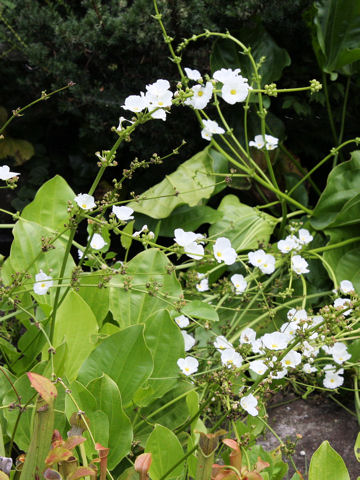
{"points": [[44, 216], [244, 226], [97, 298], [124, 357], [108, 400], [193, 181], [166, 451], [326, 463], [201, 310], [337, 33], [339, 199], [76, 325], [227, 54], [135, 304]]}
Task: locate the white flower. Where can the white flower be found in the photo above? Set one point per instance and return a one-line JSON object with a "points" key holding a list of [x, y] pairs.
{"points": [[182, 321], [222, 344], [135, 103], [210, 128], [304, 236], [226, 74], [192, 74], [249, 404], [258, 366], [257, 346], [188, 365], [343, 304], [291, 359], [194, 250], [121, 121], [239, 283], [201, 96], [5, 173], [235, 90], [85, 201], [183, 238], [231, 358], [248, 335], [280, 374], [307, 368], [223, 252], [269, 142], [203, 286], [123, 213], [289, 328], [299, 265], [144, 230], [275, 340], [97, 242], [295, 315], [339, 352], [158, 88], [256, 258], [159, 114], [189, 340], [346, 287], [332, 380], [268, 264], [158, 99], [290, 243], [43, 283], [80, 254]]}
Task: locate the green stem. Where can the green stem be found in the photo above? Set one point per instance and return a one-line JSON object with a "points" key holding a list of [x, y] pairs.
{"points": [[328, 107], [343, 115], [334, 245]]}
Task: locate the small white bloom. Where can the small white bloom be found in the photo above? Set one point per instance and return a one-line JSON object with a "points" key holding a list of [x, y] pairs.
{"points": [[121, 121], [248, 335], [289, 328], [194, 250], [343, 304], [256, 258], [183, 238], [339, 352], [135, 103], [221, 343], [290, 243], [304, 236], [239, 283], [226, 74], [5, 173], [307, 368], [223, 252], [203, 286], [158, 88], [192, 74], [295, 315], [346, 287], [182, 321], [201, 96], [299, 265], [258, 366], [275, 340], [235, 90], [269, 142], [43, 283], [291, 359], [188, 365], [144, 229], [231, 358], [249, 404], [257, 346], [280, 374], [123, 213], [97, 242], [332, 380], [85, 201], [210, 128], [189, 340], [268, 264], [159, 114]]}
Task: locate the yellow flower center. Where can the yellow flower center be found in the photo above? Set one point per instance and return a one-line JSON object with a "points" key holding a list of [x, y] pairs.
{"points": [[200, 93], [84, 205], [187, 369], [287, 362], [161, 103], [274, 345], [219, 254], [233, 91], [43, 285]]}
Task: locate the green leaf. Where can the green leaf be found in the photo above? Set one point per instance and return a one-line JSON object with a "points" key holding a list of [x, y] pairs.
{"points": [[227, 54], [193, 181], [75, 324], [108, 400], [125, 240], [357, 448], [337, 33], [135, 304], [124, 357], [201, 310], [325, 462], [166, 451], [244, 226], [343, 185], [97, 298]]}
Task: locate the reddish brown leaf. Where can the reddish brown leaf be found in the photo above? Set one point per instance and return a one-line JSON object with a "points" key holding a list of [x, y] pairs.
{"points": [[82, 472], [58, 454], [74, 441], [45, 388]]}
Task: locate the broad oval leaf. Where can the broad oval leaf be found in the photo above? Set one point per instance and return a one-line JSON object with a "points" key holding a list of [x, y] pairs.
{"points": [[45, 388], [327, 463], [201, 310]]}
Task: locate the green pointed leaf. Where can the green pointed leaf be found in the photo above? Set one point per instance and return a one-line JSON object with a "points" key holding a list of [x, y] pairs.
{"points": [[337, 33], [244, 226], [108, 400], [135, 304], [357, 448], [124, 357], [227, 54], [193, 181], [325, 462], [166, 451], [76, 325], [125, 240], [201, 310]]}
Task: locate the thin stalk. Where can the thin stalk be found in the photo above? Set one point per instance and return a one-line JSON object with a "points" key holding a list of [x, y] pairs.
{"points": [[328, 108], [343, 115]]}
